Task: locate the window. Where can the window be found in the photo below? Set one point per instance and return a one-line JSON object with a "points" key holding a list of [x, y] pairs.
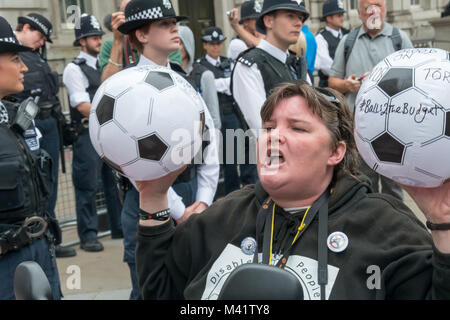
{"points": [[353, 4], [415, 3], [70, 9]]}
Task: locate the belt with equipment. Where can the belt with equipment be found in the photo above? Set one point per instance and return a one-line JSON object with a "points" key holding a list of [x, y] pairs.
{"points": [[19, 236]]}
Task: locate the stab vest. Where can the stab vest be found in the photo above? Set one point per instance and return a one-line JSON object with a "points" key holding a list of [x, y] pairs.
{"points": [[39, 76], [26, 178], [333, 43], [223, 71], [94, 78], [273, 71]]}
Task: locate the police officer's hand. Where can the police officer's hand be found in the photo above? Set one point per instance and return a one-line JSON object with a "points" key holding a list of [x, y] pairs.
{"points": [[118, 18], [235, 20], [435, 205]]}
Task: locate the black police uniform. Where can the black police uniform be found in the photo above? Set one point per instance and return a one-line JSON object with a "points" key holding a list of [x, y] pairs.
{"points": [[329, 8], [87, 167], [25, 187], [27, 232]]}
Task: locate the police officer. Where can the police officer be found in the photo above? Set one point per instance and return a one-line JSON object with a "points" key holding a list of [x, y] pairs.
{"points": [[221, 67], [25, 171], [258, 70], [33, 30], [329, 37], [245, 27], [82, 79]]}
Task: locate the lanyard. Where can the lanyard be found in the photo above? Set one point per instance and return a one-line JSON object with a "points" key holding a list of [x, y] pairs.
{"points": [[265, 221]]}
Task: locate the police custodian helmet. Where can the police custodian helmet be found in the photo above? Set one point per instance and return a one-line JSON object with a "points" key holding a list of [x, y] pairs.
{"points": [[89, 26], [273, 5], [331, 7], [8, 40], [250, 9], [138, 13]]}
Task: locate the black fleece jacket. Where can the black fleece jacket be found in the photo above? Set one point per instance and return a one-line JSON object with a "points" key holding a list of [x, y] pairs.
{"points": [[193, 259]]}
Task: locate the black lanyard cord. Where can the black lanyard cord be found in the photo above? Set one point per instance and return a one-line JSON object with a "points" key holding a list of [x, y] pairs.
{"points": [[264, 221]]}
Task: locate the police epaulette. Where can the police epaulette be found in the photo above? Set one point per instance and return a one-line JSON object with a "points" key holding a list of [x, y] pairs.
{"points": [[79, 61], [246, 61]]}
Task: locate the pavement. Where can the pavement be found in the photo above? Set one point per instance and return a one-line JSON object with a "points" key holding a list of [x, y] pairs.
{"points": [[103, 275]]}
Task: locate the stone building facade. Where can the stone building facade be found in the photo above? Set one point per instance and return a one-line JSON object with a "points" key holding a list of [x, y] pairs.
{"points": [[420, 18]]}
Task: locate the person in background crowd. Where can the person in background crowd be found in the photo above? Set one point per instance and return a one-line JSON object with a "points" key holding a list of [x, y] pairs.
{"points": [[155, 37], [247, 36], [329, 37], [221, 67], [82, 77], [33, 30], [358, 52], [260, 69], [311, 51], [27, 231], [204, 81]]}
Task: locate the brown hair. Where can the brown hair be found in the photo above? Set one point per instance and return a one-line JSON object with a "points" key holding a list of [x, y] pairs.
{"points": [[134, 40], [19, 27], [336, 117]]}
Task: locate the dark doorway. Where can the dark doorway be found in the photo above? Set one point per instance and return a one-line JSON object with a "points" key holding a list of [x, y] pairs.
{"points": [[201, 16]]}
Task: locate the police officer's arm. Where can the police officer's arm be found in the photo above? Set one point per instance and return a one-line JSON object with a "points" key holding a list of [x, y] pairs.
{"points": [[84, 108], [250, 39], [209, 94], [76, 89], [116, 54]]}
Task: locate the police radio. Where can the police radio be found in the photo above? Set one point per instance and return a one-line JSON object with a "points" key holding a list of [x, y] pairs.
{"points": [[26, 113]]}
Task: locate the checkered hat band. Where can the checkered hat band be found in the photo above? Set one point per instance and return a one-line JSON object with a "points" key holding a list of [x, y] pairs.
{"points": [[43, 27], [149, 14], [210, 38], [8, 39], [3, 114]]}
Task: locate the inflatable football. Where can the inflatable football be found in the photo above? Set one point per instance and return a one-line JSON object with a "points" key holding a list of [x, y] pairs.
{"points": [[146, 122], [402, 117]]}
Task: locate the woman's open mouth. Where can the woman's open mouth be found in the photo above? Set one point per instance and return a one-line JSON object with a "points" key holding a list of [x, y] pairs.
{"points": [[275, 158]]}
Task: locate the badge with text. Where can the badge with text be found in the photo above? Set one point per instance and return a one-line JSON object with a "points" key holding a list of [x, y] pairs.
{"points": [[337, 241], [248, 246]]}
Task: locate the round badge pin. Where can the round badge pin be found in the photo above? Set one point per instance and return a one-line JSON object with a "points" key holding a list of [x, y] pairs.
{"points": [[337, 241], [248, 246]]}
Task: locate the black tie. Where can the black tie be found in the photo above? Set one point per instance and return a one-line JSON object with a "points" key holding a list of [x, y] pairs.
{"points": [[97, 65]]}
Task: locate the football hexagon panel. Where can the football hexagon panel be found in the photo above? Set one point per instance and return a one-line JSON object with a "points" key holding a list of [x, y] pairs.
{"points": [[133, 111], [396, 80], [433, 79], [414, 118], [105, 109], [159, 79], [113, 139], [145, 170], [152, 147], [370, 113], [388, 149], [129, 78]]}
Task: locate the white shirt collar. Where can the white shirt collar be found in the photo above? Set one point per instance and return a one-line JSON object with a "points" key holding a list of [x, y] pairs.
{"points": [[90, 60], [273, 51], [144, 61], [334, 32], [211, 60]]}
